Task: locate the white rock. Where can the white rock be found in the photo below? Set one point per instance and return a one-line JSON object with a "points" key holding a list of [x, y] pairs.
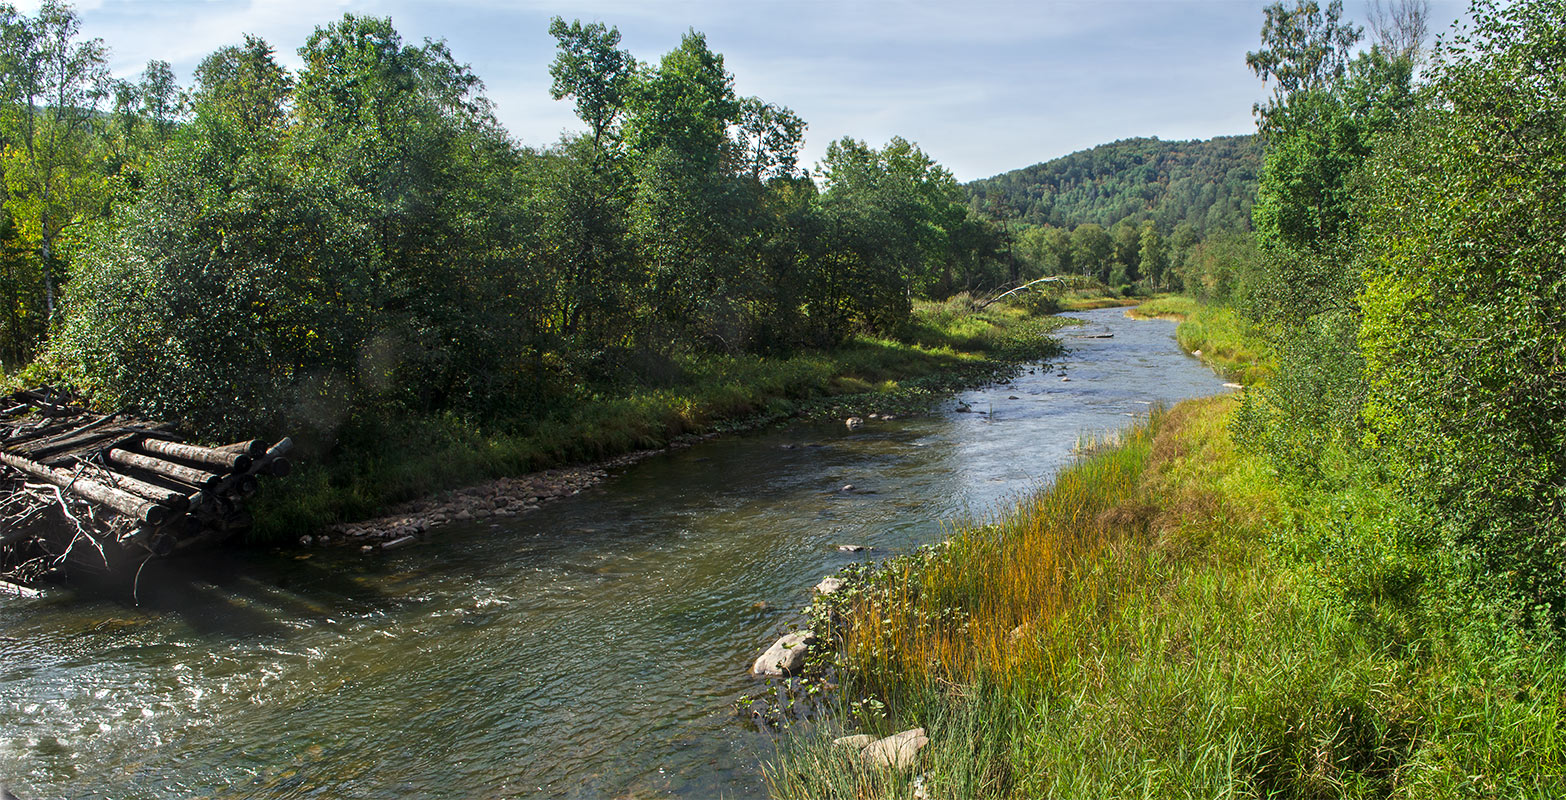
{"points": [[899, 751], [854, 423], [785, 657], [856, 742], [829, 585]]}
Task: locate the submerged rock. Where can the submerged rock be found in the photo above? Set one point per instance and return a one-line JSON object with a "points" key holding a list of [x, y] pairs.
{"points": [[785, 657], [851, 548]]}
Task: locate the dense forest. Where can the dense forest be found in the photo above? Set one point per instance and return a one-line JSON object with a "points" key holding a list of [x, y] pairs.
{"points": [[1208, 185], [361, 237], [1136, 212]]}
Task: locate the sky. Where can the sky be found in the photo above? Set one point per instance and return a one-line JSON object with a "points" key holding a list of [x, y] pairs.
{"points": [[983, 87]]}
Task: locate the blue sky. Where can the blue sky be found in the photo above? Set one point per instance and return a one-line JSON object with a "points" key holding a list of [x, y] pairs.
{"points": [[983, 87]]}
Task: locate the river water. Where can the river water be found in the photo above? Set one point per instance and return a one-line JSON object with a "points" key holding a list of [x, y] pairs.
{"points": [[589, 649]]}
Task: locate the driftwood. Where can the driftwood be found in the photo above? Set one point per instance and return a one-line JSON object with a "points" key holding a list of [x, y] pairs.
{"points": [[998, 297]]}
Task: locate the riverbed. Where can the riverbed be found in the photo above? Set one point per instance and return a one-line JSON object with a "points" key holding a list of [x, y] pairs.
{"points": [[592, 648]]}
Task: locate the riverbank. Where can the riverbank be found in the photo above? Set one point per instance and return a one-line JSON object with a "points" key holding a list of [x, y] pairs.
{"points": [[1169, 618], [417, 474]]}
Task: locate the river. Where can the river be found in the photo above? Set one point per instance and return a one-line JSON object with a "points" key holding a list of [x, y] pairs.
{"points": [[589, 649]]}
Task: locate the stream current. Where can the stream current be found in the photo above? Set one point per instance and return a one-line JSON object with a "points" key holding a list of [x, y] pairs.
{"points": [[592, 648]]}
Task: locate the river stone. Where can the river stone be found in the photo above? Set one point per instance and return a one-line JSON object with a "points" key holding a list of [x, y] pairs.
{"points": [[784, 657], [856, 742], [829, 585], [851, 548], [854, 423], [900, 751]]}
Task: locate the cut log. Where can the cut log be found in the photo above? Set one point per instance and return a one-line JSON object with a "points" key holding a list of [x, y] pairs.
{"points": [[162, 495], [254, 448], [195, 454], [180, 472], [130, 505]]}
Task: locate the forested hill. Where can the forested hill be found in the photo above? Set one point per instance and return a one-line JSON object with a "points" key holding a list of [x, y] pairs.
{"points": [[1210, 184]]}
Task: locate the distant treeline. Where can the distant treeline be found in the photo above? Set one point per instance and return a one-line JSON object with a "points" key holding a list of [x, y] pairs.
{"points": [[1126, 212], [362, 237], [1209, 185]]}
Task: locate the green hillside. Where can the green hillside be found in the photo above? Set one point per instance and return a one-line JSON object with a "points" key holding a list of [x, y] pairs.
{"points": [[1210, 184]]}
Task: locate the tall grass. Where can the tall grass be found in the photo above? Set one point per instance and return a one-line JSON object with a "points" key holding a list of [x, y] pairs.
{"points": [[1149, 626], [1234, 346]]}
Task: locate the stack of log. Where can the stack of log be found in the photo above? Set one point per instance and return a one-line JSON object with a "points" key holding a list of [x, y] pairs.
{"points": [[133, 483]]}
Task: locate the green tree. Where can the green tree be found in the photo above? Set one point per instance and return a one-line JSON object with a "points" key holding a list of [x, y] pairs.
{"points": [[1092, 251], [1466, 279], [54, 82], [591, 68], [1152, 255]]}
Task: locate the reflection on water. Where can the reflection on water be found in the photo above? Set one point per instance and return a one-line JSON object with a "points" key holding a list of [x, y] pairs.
{"points": [[589, 649]]}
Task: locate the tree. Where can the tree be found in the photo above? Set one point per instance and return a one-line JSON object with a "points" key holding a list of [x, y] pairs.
{"points": [[1152, 255], [676, 135], [591, 68], [1463, 338], [54, 82], [1091, 250], [1305, 50]]}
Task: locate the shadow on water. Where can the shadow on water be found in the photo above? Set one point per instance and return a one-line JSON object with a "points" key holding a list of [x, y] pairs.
{"points": [[592, 648]]}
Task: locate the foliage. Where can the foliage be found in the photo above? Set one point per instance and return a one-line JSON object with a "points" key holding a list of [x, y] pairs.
{"points": [[1207, 184], [1463, 335]]}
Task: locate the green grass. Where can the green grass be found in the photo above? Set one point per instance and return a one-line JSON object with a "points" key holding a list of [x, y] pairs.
{"points": [[1235, 347], [378, 462], [1156, 624]]}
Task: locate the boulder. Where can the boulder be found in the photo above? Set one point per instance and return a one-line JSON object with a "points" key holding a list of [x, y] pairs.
{"points": [[856, 742], [785, 657], [900, 751], [854, 423], [828, 585]]}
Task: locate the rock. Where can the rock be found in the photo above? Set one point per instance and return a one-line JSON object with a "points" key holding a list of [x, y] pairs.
{"points": [[1196, 353], [887, 418], [900, 751], [369, 548], [759, 606], [851, 548], [1012, 397], [964, 408], [854, 423], [463, 516], [306, 540], [401, 541], [875, 416], [856, 742], [1233, 386], [828, 585], [785, 657], [847, 487]]}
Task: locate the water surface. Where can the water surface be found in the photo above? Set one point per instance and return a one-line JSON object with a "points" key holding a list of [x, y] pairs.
{"points": [[590, 649]]}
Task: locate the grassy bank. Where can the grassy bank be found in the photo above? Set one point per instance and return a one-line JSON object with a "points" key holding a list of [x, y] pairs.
{"points": [[382, 462], [1232, 345], [1163, 621]]}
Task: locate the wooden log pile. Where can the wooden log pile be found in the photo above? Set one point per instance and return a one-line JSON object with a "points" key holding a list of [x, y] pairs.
{"points": [[83, 488]]}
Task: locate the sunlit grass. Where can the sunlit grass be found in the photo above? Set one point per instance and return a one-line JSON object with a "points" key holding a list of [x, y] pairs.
{"points": [[1137, 630]]}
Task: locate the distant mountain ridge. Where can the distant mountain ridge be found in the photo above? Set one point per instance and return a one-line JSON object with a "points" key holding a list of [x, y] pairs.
{"points": [[1209, 183]]}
